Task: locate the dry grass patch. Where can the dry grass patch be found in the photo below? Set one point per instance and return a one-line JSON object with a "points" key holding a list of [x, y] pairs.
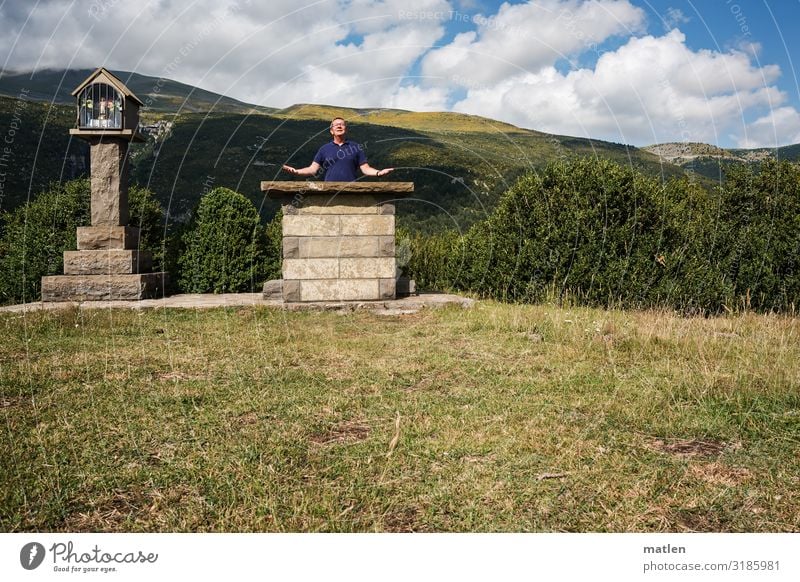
{"points": [[719, 474], [689, 448], [498, 418]]}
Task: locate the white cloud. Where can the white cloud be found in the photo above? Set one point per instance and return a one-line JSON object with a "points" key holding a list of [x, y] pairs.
{"points": [[416, 98], [652, 89], [673, 18], [525, 38], [354, 53], [779, 127], [384, 53]]}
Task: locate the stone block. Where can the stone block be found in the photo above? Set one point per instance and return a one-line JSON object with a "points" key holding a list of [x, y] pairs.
{"points": [[310, 268], [387, 288], [107, 262], [367, 225], [103, 287], [340, 290], [387, 208], [273, 289], [378, 268], [312, 225], [291, 291], [109, 180], [107, 237], [339, 246], [386, 246], [291, 247], [339, 204]]}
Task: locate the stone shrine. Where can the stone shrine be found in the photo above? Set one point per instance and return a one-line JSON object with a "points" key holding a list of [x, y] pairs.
{"points": [[338, 240], [107, 264]]}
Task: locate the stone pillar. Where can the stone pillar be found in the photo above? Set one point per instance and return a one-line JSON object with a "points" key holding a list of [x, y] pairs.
{"points": [[107, 265], [338, 239], [109, 166]]}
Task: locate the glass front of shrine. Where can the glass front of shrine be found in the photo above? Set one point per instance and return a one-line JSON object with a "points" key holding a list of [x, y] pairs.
{"points": [[100, 106]]}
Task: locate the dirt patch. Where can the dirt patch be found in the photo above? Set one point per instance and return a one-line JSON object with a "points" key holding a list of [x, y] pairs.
{"points": [[176, 376], [123, 507], [690, 448], [402, 520], [14, 401], [699, 520], [344, 432], [247, 418], [108, 514]]}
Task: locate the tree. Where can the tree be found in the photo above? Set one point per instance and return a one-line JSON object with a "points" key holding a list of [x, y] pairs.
{"points": [[223, 246]]}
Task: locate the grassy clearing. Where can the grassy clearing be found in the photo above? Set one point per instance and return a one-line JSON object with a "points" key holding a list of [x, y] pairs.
{"points": [[499, 418]]}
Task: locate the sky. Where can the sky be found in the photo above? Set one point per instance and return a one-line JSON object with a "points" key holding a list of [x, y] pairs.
{"points": [[630, 71]]}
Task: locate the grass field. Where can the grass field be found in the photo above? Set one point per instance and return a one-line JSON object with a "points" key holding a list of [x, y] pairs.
{"points": [[498, 418]]}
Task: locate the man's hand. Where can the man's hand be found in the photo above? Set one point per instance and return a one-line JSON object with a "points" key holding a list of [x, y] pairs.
{"points": [[289, 169], [384, 171]]}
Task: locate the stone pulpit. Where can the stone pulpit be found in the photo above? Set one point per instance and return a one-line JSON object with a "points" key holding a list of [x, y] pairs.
{"points": [[338, 239], [108, 264]]}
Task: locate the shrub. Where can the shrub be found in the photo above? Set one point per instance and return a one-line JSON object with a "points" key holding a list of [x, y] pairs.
{"points": [[588, 228], [36, 235], [223, 246], [604, 234], [759, 235], [273, 251]]}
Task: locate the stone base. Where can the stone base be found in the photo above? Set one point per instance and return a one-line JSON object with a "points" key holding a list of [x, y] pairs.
{"points": [[107, 262], [92, 238], [273, 289], [338, 290], [103, 287]]}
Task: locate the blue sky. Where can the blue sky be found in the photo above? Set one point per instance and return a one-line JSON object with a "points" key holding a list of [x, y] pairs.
{"points": [[631, 71]]}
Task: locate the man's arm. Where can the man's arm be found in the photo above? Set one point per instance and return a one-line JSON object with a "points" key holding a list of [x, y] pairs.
{"points": [[368, 170], [307, 171]]}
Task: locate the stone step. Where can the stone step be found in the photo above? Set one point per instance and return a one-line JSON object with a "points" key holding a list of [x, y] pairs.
{"points": [[107, 237], [103, 287], [107, 262], [273, 289]]}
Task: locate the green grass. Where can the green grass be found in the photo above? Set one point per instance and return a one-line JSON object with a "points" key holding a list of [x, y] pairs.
{"points": [[498, 418]]}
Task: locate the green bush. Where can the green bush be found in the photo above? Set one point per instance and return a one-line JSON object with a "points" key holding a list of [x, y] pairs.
{"points": [[273, 251], [759, 235], [36, 234], [35, 237], [224, 246], [603, 234]]}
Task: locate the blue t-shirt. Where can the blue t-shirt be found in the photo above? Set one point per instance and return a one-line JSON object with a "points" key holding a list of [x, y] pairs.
{"points": [[341, 163]]}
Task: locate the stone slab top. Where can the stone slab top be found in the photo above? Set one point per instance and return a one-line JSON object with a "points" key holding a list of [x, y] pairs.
{"points": [[126, 134], [287, 188]]}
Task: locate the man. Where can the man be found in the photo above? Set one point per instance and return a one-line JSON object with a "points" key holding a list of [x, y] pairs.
{"points": [[340, 159]]}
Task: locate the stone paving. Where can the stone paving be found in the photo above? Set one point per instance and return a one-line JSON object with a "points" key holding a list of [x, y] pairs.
{"points": [[402, 306]]}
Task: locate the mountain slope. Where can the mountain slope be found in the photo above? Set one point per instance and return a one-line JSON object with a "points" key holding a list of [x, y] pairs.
{"points": [[710, 161], [158, 94]]}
